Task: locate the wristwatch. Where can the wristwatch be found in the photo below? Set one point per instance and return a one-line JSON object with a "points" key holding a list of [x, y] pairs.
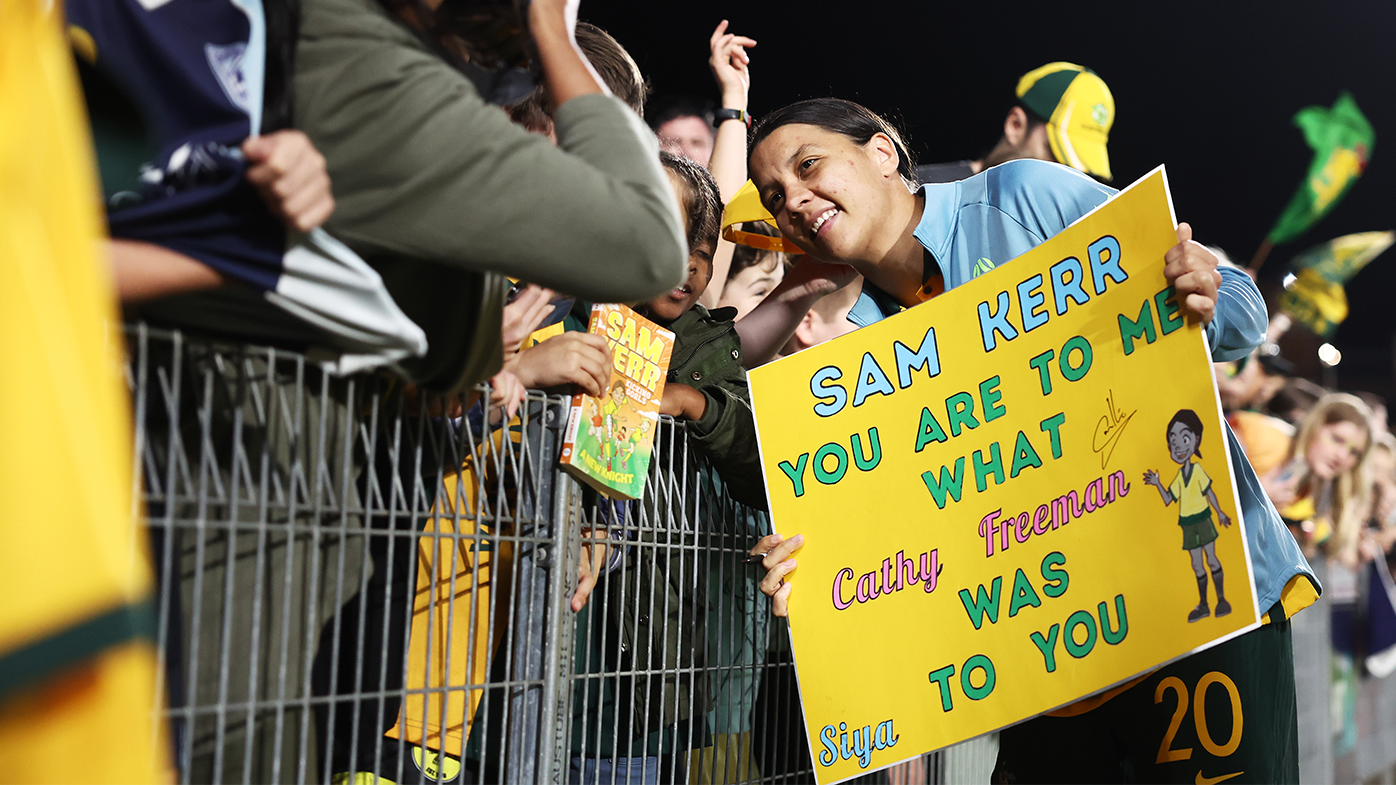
{"points": [[723, 115]]}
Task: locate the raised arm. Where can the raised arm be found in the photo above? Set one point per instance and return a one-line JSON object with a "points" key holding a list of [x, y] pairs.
{"points": [[423, 168], [769, 325], [728, 60]]}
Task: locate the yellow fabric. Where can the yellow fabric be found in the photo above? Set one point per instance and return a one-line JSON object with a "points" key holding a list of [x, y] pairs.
{"points": [[73, 550], [1266, 439], [1299, 593], [1079, 128], [90, 723], [728, 759], [544, 333], [745, 206], [359, 778], [451, 640], [1192, 494], [64, 406]]}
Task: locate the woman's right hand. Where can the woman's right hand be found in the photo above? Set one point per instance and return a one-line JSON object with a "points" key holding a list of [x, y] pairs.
{"points": [[777, 560]]}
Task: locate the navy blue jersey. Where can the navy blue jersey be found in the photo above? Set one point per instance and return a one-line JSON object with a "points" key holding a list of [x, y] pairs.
{"points": [[194, 69]]}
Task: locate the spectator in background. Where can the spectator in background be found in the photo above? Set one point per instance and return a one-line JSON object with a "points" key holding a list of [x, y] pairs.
{"points": [[444, 196], [1381, 471], [685, 126], [754, 273], [1294, 400], [1063, 113], [1322, 490]]}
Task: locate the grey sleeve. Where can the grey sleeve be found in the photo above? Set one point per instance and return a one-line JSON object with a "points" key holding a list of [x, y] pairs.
{"points": [[422, 167]]}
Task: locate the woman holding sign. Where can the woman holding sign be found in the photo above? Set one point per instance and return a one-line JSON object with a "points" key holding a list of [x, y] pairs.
{"points": [[839, 182]]}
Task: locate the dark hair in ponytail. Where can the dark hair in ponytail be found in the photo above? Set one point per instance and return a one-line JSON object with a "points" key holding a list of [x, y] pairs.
{"points": [[835, 115]]}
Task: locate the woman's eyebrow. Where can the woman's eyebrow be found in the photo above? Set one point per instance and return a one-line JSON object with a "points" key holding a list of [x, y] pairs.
{"points": [[799, 153]]}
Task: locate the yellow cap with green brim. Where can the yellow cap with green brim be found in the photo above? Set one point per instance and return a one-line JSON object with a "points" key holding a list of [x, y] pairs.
{"points": [[1079, 110], [746, 206]]}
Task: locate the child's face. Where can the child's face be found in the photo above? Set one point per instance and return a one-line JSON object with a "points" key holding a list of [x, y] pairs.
{"points": [[674, 303], [1182, 442], [745, 290]]}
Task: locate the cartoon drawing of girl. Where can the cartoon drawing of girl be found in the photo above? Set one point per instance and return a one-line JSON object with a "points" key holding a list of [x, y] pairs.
{"points": [[610, 408], [1192, 489]]}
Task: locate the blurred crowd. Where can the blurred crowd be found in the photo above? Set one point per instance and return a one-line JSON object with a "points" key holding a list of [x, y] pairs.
{"points": [[1326, 458]]}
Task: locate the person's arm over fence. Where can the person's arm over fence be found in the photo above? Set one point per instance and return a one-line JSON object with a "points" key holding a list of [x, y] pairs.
{"points": [[423, 167]]}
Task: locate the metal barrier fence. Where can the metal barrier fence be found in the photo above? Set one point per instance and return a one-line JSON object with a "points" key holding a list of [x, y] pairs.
{"points": [[358, 580], [355, 578]]}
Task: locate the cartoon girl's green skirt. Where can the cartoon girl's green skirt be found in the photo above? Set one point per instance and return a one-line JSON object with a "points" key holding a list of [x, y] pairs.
{"points": [[1197, 529]]}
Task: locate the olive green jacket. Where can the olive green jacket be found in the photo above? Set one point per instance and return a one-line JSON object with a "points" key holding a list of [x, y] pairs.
{"points": [[708, 356], [442, 194]]}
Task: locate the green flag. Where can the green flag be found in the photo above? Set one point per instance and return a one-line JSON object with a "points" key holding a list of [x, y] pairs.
{"points": [[1315, 296], [1342, 142]]}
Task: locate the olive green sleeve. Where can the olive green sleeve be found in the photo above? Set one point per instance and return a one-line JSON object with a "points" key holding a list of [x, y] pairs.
{"points": [[422, 167]]}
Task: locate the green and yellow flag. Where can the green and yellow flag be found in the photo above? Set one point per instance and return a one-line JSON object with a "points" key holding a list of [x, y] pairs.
{"points": [[1342, 142], [1315, 297]]}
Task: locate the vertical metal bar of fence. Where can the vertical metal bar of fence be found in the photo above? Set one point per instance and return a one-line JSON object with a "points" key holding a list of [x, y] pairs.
{"points": [[552, 741], [530, 643]]}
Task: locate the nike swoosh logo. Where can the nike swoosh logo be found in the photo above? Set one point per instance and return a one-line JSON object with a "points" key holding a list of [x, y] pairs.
{"points": [[1201, 780]]}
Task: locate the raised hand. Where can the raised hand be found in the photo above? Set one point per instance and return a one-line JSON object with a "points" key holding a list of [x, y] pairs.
{"points": [[729, 62]]}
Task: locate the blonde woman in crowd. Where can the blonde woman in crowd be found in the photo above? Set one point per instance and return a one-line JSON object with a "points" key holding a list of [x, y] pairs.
{"points": [[1322, 491]]}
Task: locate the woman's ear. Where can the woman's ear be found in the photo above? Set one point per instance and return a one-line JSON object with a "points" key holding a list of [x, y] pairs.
{"points": [[885, 155], [1015, 126]]}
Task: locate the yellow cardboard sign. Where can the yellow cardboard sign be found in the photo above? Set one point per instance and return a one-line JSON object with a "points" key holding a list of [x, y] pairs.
{"points": [[981, 542]]}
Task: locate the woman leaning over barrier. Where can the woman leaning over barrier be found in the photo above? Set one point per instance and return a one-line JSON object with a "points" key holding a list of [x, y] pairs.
{"points": [[838, 180]]}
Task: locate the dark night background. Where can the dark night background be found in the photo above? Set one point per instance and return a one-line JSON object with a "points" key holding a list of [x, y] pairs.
{"points": [[1207, 88]]}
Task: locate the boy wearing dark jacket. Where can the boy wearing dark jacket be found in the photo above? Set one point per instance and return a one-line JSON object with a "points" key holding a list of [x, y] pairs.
{"points": [[706, 384]]}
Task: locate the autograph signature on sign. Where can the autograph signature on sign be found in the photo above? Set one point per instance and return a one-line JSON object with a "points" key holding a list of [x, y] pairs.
{"points": [[1108, 429]]}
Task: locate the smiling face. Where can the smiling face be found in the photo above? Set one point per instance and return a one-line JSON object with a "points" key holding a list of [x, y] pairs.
{"points": [[1336, 448], [1182, 442], [830, 195]]}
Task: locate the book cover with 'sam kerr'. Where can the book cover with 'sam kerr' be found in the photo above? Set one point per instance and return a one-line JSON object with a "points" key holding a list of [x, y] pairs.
{"points": [[609, 439]]}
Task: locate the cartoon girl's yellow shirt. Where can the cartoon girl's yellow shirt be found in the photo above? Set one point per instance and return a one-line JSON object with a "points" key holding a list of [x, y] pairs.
{"points": [[1191, 493]]}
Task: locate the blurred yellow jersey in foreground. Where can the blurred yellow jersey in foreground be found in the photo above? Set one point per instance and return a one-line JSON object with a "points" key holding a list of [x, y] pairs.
{"points": [[77, 661]]}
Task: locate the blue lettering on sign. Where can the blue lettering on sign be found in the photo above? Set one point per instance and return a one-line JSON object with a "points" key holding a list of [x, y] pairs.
{"points": [[839, 744]]}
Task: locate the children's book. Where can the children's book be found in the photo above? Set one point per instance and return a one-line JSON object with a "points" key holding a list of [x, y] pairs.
{"points": [[609, 439]]}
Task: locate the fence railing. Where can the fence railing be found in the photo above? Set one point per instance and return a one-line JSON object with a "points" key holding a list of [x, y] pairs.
{"points": [[359, 580]]}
